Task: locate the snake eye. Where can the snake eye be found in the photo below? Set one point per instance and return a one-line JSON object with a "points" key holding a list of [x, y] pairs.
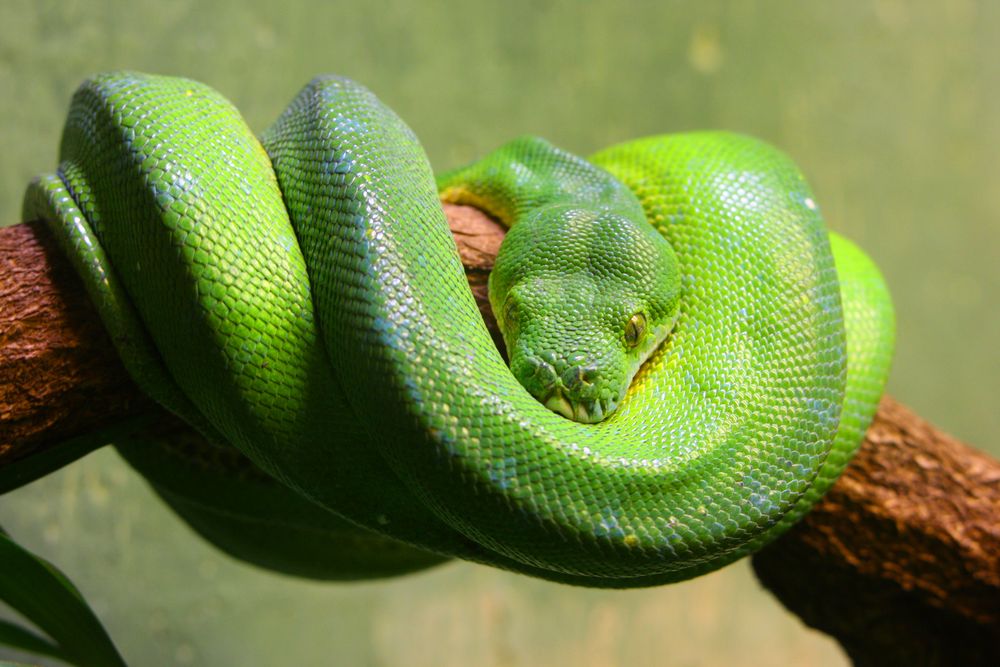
{"points": [[635, 329]]}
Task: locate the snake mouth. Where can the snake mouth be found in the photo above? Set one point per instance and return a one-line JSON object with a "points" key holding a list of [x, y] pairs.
{"points": [[586, 412]]}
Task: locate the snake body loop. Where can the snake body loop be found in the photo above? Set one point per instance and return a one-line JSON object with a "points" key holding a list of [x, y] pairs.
{"points": [[300, 299]]}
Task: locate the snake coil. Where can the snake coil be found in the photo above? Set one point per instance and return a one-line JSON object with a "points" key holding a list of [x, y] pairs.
{"points": [[298, 299]]}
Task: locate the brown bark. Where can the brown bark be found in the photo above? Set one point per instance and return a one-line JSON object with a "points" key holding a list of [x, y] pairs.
{"points": [[59, 374], [900, 562]]}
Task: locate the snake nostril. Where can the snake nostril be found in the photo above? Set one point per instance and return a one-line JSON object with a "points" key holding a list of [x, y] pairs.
{"points": [[542, 371], [576, 377]]}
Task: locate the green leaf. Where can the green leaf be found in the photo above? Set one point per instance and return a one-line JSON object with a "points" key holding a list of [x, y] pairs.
{"points": [[42, 594], [23, 640]]}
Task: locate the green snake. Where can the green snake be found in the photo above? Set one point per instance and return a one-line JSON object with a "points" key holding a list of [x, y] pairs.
{"points": [[693, 357]]}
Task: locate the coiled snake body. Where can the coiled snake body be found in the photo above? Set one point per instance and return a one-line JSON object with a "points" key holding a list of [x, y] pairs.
{"points": [[300, 302]]}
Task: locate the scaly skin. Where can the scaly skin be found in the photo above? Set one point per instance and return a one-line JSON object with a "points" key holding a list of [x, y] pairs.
{"points": [[302, 301], [583, 287]]}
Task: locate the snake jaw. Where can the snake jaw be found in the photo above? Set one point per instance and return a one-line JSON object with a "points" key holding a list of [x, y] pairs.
{"points": [[558, 403], [585, 412]]}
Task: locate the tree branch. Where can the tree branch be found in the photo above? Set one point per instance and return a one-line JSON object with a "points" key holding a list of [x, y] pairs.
{"points": [[900, 562]]}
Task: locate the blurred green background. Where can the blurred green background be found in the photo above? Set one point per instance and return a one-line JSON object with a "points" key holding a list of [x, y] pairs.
{"points": [[890, 107]]}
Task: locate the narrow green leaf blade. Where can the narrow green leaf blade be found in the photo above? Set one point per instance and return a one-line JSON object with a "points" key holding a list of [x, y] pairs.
{"points": [[42, 594], [17, 637]]}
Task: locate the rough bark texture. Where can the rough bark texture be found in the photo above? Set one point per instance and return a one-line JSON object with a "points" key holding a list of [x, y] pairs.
{"points": [[900, 562], [59, 374]]}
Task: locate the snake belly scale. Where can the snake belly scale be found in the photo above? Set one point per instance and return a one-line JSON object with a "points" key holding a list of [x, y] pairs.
{"points": [[299, 300]]}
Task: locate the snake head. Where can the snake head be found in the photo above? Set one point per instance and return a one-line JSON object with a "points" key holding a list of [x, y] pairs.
{"points": [[583, 297]]}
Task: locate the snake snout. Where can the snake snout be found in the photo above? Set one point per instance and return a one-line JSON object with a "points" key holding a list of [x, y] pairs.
{"points": [[576, 379], [534, 372], [568, 387]]}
